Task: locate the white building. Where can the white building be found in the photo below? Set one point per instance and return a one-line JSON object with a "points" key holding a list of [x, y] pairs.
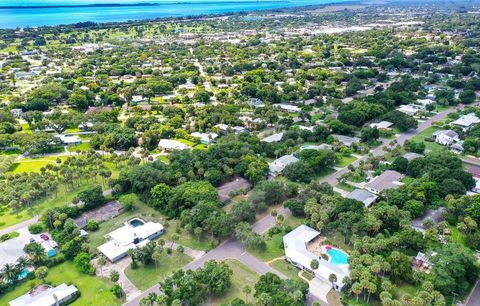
{"points": [[446, 137], [466, 121], [387, 180], [205, 138], [367, 198], [69, 140], [134, 234], [10, 251], [411, 109], [384, 125], [172, 145], [289, 108], [296, 252], [279, 164], [45, 295]]}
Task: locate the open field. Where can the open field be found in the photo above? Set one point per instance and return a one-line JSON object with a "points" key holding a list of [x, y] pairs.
{"points": [[144, 277]]}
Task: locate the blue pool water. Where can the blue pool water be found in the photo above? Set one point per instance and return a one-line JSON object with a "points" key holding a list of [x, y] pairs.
{"points": [[23, 274], [338, 257], [136, 222], [24, 13]]}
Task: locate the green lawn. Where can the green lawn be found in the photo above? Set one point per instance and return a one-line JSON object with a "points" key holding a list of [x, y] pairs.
{"points": [[429, 145], [145, 277], [457, 237], [93, 289], [64, 196], [343, 161], [274, 247], [34, 164], [242, 275], [85, 146], [346, 187], [286, 268]]}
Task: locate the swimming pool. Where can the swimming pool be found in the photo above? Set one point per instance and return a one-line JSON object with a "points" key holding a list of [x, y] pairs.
{"points": [[136, 222], [23, 274], [338, 257]]}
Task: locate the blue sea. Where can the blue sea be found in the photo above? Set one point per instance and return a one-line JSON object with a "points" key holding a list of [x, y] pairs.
{"points": [[35, 13]]}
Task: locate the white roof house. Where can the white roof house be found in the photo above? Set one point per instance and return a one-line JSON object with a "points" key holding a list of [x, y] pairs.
{"points": [[289, 108], [446, 137], [45, 295], [129, 237], [411, 109], [296, 252], [273, 138], [279, 164], [69, 139], [466, 121], [171, 145], [10, 251], [381, 125], [205, 138]]}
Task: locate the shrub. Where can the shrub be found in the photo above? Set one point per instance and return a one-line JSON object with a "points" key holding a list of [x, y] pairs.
{"points": [[117, 291], [92, 225], [36, 228], [114, 276]]}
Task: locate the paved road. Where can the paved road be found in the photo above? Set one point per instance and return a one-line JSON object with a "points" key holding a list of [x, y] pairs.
{"points": [[474, 297], [332, 179], [229, 249], [19, 226]]}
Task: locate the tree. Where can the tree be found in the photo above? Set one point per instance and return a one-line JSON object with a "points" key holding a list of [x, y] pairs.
{"points": [[82, 262], [117, 291], [41, 273], [10, 273], [243, 211], [333, 279], [314, 264], [250, 239], [217, 277], [369, 134], [296, 206], [454, 269], [400, 164], [114, 276], [160, 196], [36, 252], [92, 225], [92, 197]]}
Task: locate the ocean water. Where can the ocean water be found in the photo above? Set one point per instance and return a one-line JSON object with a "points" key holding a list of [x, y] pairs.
{"points": [[31, 13]]}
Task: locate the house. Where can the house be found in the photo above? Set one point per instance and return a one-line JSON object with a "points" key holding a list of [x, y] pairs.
{"points": [[296, 252], [172, 145], [411, 109], [384, 125], [411, 156], [10, 251], [289, 108], [446, 137], [205, 138], [16, 112], [346, 140], [255, 102], [136, 233], [425, 102], [69, 140], [46, 295], [273, 138], [466, 121], [322, 146], [367, 198], [138, 99], [279, 164], [422, 262], [387, 180], [50, 247], [476, 189]]}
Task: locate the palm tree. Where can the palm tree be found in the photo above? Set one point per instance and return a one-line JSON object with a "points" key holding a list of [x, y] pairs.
{"points": [[332, 278], [23, 262], [36, 252], [357, 289], [10, 273]]}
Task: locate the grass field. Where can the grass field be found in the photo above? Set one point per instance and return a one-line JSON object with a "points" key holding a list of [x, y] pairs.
{"points": [[427, 133], [34, 164], [242, 275], [343, 161], [81, 147], [64, 196], [144, 277], [286, 268], [91, 288], [275, 242]]}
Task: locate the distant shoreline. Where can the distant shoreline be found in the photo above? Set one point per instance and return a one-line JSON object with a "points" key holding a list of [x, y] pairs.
{"points": [[128, 4]]}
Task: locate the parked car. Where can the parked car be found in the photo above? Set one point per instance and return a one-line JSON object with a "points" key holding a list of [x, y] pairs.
{"points": [[44, 237], [32, 240]]}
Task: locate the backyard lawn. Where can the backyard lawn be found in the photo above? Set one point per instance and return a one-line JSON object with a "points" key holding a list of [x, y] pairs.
{"points": [[242, 275], [91, 288], [145, 277], [85, 146], [427, 133]]}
